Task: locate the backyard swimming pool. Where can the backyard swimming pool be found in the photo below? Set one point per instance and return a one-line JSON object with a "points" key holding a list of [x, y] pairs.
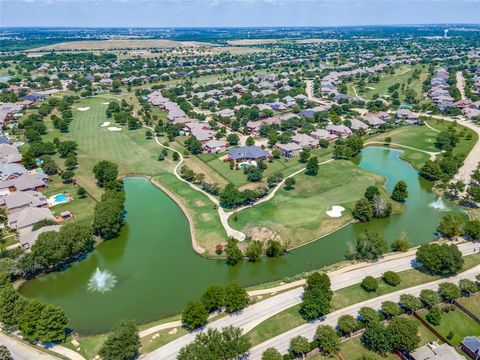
{"points": [[58, 199]]}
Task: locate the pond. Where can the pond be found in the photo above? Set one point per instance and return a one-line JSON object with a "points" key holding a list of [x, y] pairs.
{"points": [[154, 270]]}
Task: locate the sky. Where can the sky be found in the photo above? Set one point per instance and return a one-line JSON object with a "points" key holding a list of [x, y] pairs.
{"points": [[234, 13]]}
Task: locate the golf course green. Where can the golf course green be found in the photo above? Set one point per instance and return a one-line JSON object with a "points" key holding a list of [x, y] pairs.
{"points": [[157, 271]]}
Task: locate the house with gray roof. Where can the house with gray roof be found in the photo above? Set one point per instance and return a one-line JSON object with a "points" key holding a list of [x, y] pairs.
{"points": [[339, 130], [305, 140], [471, 346], [29, 238], [11, 171], [9, 154], [24, 182], [289, 150], [24, 219], [247, 153], [433, 351], [357, 125], [214, 146], [17, 200]]}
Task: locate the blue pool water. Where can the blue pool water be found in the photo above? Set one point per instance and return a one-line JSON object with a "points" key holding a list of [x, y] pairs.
{"points": [[60, 198]]}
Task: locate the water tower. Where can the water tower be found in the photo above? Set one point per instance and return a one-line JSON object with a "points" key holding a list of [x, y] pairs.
{"points": [[445, 32]]}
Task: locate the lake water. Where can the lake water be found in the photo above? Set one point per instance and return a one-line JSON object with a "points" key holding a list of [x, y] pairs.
{"points": [[157, 271]]}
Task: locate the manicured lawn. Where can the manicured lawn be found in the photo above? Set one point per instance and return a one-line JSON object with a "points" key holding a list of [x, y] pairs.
{"points": [[83, 209], [290, 318], [401, 76], [457, 322], [89, 345], [418, 137], [298, 216], [464, 146], [472, 303], [353, 349], [160, 338], [128, 148], [208, 228]]}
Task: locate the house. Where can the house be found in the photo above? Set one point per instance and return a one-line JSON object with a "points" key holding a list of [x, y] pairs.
{"points": [[406, 114], [35, 97], [24, 182], [373, 120], [24, 219], [339, 130], [214, 146], [471, 346], [9, 154], [17, 200], [11, 171], [322, 134], [29, 238], [226, 113], [433, 351], [357, 125], [471, 113], [305, 140], [289, 150], [248, 153]]}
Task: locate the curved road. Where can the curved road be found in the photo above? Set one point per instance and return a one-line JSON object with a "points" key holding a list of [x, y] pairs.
{"points": [[282, 341], [261, 311]]}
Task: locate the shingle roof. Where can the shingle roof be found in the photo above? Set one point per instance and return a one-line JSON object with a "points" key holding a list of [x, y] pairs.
{"points": [[247, 152]]}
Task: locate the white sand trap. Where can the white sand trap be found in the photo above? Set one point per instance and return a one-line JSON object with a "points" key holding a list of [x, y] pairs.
{"points": [[83, 109], [105, 124], [114, 128], [336, 211], [105, 103]]}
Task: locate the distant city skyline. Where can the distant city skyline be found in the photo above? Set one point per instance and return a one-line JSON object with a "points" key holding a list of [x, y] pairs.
{"points": [[234, 13]]}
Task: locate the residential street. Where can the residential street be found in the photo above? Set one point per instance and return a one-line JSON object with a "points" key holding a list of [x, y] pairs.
{"points": [[281, 342], [261, 311], [20, 351]]}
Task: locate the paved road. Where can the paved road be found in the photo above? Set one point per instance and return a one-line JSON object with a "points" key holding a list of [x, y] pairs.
{"points": [[261, 311], [281, 342], [21, 351]]}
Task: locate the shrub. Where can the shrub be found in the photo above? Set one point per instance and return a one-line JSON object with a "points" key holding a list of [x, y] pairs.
{"points": [[370, 284], [391, 278]]}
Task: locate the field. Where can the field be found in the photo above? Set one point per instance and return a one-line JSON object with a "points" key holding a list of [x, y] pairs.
{"points": [[401, 76], [298, 215], [120, 44]]}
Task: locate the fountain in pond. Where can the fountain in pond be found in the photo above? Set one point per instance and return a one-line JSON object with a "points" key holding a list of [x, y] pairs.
{"points": [[439, 205], [101, 281]]}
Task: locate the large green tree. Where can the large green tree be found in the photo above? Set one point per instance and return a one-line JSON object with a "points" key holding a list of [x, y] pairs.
{"points": [[327, 339], [123, 342], [443, 260], [236, 298], [194, 315], [400, 191], [105, 172]]}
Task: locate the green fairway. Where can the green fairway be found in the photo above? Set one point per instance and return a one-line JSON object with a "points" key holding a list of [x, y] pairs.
{"points": [[456, 322], [128, 148], [401, 76], [418, 137], [298, 216], [464, 145]]}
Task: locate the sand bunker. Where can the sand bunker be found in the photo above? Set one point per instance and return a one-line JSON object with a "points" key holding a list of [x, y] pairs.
{"points": [[83, 109], [105, 124], [105, 103], [114, 128], [336, 211]]}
